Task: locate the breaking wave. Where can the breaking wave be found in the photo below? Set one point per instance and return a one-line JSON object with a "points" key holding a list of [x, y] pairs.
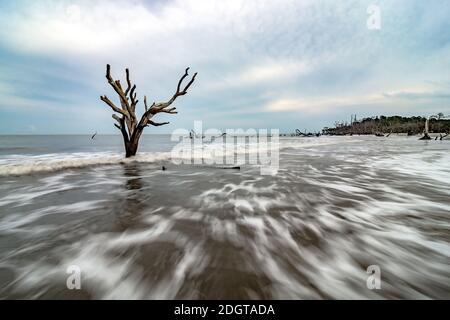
{"points": [[308, 232], [214, 152], [22, 165]]}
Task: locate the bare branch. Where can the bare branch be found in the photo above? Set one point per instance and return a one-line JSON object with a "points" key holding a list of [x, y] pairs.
{"points": [[122, 128], [133, 95], [126, 119], [116, 86], [171, 110], [115, 117], [128, 81], [113, 106], [182, 78], [159, 107], [147, 108], [188, 85], [156, 124], [184, 91], [128, 110], [108, 73]]}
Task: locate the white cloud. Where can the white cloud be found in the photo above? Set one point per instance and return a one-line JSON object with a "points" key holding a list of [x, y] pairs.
{"points": [[269, 72], [87, 27], [280, 56], [317, 105], [418, 94], [397, 97], [77, 29]]}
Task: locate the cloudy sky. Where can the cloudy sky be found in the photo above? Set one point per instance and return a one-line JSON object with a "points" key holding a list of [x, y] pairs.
{"points": [[261, 64]]}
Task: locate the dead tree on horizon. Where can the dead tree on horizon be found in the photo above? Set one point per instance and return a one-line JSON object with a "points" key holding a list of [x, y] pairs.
{"points": [[127, 121], [426, 135]]}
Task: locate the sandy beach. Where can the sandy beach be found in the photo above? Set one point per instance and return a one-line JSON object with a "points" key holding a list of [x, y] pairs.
{"points": [[336, 206]]}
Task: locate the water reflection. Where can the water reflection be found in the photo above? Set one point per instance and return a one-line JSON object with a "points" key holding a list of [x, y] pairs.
{"points": [[134, 198]]}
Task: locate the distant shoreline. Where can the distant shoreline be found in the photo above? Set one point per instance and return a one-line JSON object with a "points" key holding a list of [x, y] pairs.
{"points": [[393, 124]]}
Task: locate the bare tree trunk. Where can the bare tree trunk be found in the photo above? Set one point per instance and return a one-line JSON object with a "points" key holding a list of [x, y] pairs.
{"points": [[127, 122], [134, 142], [131, 148], [426, 136]]}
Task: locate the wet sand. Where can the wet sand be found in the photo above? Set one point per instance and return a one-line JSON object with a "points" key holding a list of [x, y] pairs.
{"points": [[336, 206]]}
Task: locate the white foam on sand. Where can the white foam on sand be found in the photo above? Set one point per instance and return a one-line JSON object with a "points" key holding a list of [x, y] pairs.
{"points": [[22, 165], [214, 153]]}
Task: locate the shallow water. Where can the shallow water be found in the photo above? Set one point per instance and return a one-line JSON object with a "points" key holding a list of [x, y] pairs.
{"points": [[336, 206]]}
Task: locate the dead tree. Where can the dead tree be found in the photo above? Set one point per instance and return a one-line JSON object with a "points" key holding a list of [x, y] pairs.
{"points": [[426, 136], [127, 121]]}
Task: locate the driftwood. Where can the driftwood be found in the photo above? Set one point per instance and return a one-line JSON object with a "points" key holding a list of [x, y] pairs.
{"points": [[193, 135], [305, 134], [426, 136], [127, 121], [232, 167]]}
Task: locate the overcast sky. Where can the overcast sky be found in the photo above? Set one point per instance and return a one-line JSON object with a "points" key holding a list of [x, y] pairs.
{"points": [[261, 64]]}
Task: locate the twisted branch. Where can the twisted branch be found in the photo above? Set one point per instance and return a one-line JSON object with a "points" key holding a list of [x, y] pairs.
{"points": [[162, 106], [127, 122]]}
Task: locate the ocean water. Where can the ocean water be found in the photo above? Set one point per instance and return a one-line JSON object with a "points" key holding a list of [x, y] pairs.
{"points": [[336, 206]]}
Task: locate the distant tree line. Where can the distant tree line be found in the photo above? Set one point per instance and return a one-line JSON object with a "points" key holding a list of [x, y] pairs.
{"points": [[392, 124]]}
